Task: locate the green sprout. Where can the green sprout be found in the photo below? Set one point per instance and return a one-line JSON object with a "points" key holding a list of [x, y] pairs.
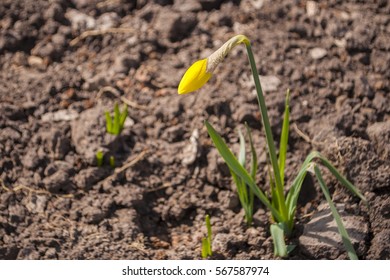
{"points": [[112, 161], [282, 206], [114, 125], [206, 241], [99, 158]]}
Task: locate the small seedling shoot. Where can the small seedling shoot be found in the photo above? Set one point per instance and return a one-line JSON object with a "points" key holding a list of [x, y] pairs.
{"points": [[206, 241], [114, 124], [99, 158]]}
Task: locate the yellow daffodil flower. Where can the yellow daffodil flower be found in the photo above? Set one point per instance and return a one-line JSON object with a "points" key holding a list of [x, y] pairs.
{"points": [[201, 71], [195, 77]]}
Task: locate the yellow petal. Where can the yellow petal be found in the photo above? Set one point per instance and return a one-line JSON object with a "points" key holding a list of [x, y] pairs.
{"points": [[195, 77]]}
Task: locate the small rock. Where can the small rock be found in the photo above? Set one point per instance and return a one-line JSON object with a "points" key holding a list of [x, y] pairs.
{"points": [[31, 159], [16, 213], [86, 178], [60, 115], [123, 63], [311, 8], [37, 204], [190, 151], [174, 26], [380, 246], [224, 243], [269, 83], [57, 182], [216, 167], [321, 239], [187, 6], [79, 20], [318, 53], [108, 20], [379, 133], [51, 254], [173, 133], [57, 143], [228, 199]]}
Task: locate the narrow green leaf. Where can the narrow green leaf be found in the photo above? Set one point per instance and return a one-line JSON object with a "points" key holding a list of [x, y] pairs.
{"points": [[116, 119], [99, 158], [123, 117], [241, 154], [293, 194], [108, 122], [277, 233], [205, 246], [252, 171], [284, 137], [343, 232], [236, 167], [268, 133], [341, 178], [253, 154], [112, 161]]}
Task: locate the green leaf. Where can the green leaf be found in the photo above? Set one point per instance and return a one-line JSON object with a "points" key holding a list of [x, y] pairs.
{"points": [[123, 117], [268, 134], [253, 154], [236, 167], [99, 158], [284, 137], [343, 232], [293, 194], [116, 119], [108, 122], [341, 178], [277, 233], [205, 246], [112, 161]]}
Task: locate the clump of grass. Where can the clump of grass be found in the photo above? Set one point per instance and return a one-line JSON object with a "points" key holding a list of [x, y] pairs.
{"points": [[281, 205], [206, 241], [115, 123]]}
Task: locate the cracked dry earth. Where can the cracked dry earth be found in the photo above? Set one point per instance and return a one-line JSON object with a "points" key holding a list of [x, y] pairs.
{"points": [[64, 62]]}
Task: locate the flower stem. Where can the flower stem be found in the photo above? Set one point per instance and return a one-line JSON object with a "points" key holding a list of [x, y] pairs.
{"points": [[268, 134]]}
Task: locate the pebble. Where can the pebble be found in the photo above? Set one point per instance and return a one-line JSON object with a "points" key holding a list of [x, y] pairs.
{"points": [[269, 83], [318, 53], [311, 8]]}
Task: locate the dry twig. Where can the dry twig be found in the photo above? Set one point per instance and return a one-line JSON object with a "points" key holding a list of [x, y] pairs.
{"points": [[116, 93], [98, 32]]}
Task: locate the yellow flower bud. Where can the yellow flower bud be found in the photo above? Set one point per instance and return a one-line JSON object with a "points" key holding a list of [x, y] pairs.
{"points": [[201, 71], [195, 77]]}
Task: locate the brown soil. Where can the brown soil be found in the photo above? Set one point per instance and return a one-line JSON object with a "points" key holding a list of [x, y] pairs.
{"points": [[56, 81]]}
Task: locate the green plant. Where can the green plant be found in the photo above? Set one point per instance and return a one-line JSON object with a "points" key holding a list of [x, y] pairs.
{"points": [[112, 161], [281, 206], [245, 193], [206, 241], [114, 125], [99, 158]]}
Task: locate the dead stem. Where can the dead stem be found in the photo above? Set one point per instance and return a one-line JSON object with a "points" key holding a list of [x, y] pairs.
{"points": [[98, 32], [116, 93], [31, 190], [127, 165]]}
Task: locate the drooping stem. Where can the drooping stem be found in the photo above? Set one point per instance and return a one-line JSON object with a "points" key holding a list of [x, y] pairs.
{"points": [[268, 133]]}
